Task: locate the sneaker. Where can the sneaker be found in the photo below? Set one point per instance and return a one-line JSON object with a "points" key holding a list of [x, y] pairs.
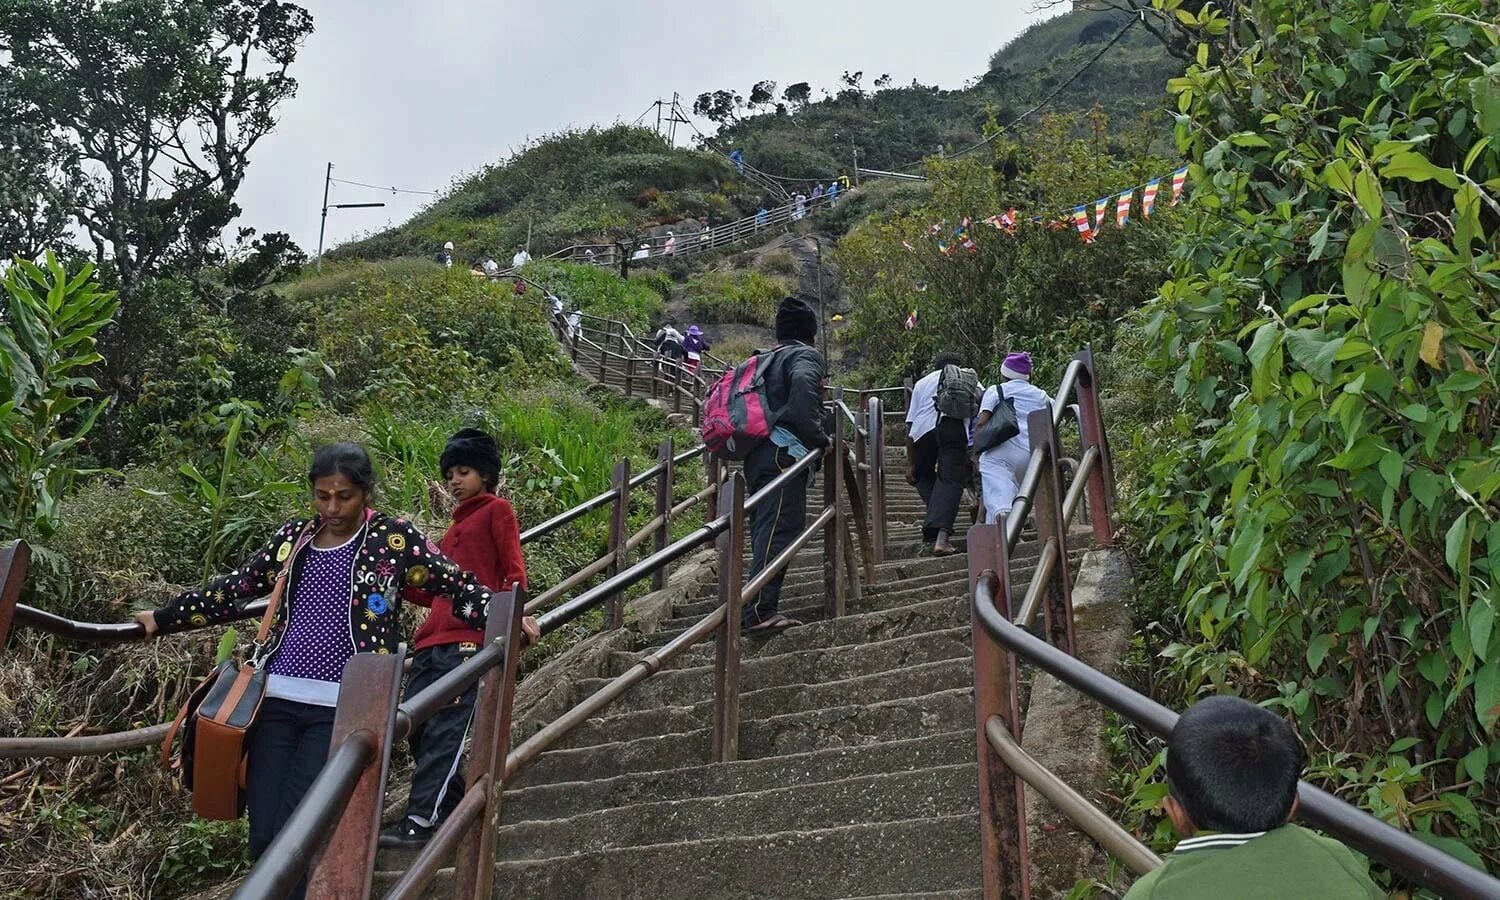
{"points": [[405, 835]]}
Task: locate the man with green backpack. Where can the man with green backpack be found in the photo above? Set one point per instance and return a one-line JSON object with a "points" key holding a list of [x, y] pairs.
{"points": [[943, 404]]}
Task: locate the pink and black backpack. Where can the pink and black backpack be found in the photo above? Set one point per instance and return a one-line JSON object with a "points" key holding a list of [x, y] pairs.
{"points": [[737, 414]]}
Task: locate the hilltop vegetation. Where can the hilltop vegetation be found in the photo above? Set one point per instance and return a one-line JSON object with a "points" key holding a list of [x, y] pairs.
{"points": [[601, 183]]}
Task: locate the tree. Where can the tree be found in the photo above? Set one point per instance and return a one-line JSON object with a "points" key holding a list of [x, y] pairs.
{"points": [[1322, 484], [720, 107], [762, 94], [153, 108], [38, 178], [797, 95]]}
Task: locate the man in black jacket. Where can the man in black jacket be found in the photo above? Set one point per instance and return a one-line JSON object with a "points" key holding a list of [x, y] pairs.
{"points": [[794, 386]]}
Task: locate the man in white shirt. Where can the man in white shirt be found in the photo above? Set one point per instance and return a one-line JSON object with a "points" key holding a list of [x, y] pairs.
{"points": [[937, 457], [520, 259], [491, 268]]}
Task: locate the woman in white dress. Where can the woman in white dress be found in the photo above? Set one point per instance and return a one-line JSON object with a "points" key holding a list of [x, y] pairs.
{"points": [[1001, 467]]}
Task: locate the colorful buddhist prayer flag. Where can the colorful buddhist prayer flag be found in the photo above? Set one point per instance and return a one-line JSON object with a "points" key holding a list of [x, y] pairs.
{"points": [[995, 222], [961, 236], [911, 320], [1148, 198], [1081, 220], [1179, 178], [1101, 212], [1122, 208], [908, 246]]}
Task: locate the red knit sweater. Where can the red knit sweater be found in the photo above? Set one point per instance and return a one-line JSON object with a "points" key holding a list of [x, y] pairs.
{"points": [[484, 540]]}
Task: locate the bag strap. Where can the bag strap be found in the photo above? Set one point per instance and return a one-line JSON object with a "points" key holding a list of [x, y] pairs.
{"points": [[274, 603], [171, 738]]}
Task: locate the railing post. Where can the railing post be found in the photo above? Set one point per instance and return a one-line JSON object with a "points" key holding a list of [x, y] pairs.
{"points": [[14, 558], [1005, 862], [663, 509], [1101, 487], [603, 355], [629, 372], [474, 865], [655, 377], [833, 532], [859, 508], [731, 548], [1058, 605], [618, 535], [715, 469], [676, 387], [368, 694], [877, 478]]}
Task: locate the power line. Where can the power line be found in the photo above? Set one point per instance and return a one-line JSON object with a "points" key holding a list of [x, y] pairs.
{"points": [[1045, 100], [382, 187]]}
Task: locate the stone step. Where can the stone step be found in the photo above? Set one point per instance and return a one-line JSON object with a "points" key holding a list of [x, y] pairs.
{"points": [[909, 856], [570, 798], [938, 614], [790, 699], [809, 666], [809, 591], [805, 805], [802, 732]]}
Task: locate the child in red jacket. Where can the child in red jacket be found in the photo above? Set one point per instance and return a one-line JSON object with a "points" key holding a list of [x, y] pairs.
{"points": [[484, 540]]}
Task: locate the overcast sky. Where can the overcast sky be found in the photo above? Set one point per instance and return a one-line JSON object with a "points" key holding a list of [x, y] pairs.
{"points": [[408, 94]]}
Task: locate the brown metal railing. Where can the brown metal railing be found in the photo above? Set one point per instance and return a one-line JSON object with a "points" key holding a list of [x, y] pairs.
{"points": [[1002, 640]]}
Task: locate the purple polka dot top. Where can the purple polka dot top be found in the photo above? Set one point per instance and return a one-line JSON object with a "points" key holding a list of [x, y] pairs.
{"points": [[317, 643]]}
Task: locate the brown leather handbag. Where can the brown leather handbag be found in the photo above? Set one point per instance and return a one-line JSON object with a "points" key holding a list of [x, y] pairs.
{"points": [[217, 716]]}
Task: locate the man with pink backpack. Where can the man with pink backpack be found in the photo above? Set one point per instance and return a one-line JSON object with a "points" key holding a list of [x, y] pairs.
{"points": [[768, 411]]}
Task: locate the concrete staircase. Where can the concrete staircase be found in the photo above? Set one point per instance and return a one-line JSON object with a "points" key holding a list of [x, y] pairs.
{"points": [[856, 776]]}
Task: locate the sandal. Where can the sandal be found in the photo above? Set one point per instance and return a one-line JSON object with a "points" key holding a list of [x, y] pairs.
{"points": [[774, 625]]}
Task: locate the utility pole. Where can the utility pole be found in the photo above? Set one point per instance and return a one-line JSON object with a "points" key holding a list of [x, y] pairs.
{"points": [[855, 148], [528, 235], [677, 118], [822, 319], [658, 118], [327, 178]]}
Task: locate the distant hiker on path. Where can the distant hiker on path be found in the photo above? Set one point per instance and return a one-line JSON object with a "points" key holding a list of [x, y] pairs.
{"points": [[760, 217], [799, 206], [738, 158], [668, 341], [795, 372], [695, 346], [490, 267], [833, 192], [943, 403], [670, 247], [445, 255], [520, 259]]}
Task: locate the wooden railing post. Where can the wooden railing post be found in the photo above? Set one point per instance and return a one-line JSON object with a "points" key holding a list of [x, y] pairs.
{"points": [[663, 509], [474, 866], [833, 532], [676, 387], [619, 524], [877, 478], [1101, 487], [1058, 605], [629, 371], [603, 354], [368, 694], [655, 377], [731, 548], [1005, 862], [14, 558]]}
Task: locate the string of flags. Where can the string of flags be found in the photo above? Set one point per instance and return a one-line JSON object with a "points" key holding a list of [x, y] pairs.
{"points": [[960, 238]]}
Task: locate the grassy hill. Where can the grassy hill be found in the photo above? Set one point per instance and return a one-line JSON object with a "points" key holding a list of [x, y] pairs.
{"points": [[585, 185]]}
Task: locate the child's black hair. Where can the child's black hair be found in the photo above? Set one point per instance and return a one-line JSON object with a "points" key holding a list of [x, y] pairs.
{"points": [[946, 358], [1234, 766], [346, 459]]}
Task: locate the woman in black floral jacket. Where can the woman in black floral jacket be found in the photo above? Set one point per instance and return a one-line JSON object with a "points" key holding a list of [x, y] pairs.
{"points": [[349, 567]]}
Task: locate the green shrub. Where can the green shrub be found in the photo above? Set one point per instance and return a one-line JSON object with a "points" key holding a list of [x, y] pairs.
{"points": [[738, 296], [636, 301]]}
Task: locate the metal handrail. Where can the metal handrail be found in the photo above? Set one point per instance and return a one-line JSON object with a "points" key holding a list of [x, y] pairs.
{"points": [[311, 823], [567, 612], [1090, 819], [602, 499], [1396, 849]]}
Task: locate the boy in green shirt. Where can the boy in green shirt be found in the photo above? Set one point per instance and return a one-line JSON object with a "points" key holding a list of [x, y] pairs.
{"points": [[1232, 771]]}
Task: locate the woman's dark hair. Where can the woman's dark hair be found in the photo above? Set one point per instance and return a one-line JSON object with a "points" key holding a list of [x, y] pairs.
{"points": [[347, 459]]}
